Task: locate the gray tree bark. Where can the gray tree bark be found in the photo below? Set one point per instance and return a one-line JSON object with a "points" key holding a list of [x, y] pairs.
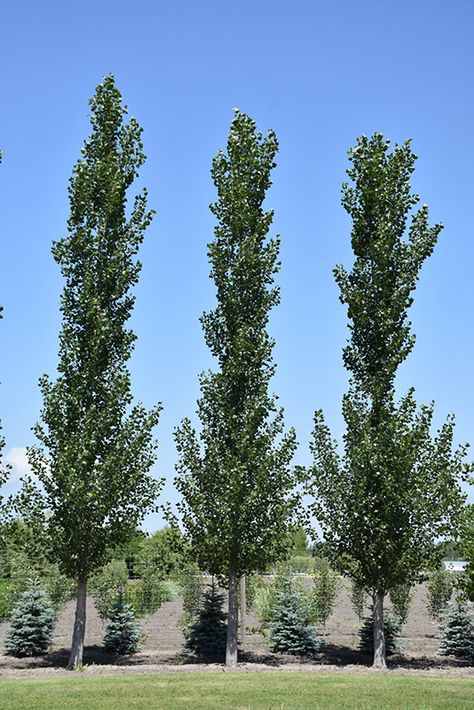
{"points": [[77, 647], [232, 623], [243, 608], [380, 656]]}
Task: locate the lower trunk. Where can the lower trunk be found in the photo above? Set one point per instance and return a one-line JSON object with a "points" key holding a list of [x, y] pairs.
{"points": [[243, 608], [380, 657], [77, 647], [232, 623]]}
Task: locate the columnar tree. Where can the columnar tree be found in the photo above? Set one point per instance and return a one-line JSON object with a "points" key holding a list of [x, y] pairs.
{"points": [[3, 468], [325, 590], [96, 448], [395, 490], [236, 481]]}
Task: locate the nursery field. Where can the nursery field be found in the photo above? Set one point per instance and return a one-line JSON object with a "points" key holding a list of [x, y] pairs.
{"points": [[163, 640], [284, 691]]}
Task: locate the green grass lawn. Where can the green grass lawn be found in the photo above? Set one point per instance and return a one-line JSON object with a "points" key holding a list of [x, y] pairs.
{"points": [[279, 691]]}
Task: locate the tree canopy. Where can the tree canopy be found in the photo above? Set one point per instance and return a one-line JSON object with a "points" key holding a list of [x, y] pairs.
{"points": [[96, 448], [395, 490], [235, 477]]}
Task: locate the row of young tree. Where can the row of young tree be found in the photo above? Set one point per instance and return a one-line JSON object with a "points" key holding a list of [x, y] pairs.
{"points": [[382, 503], [292, 611]]}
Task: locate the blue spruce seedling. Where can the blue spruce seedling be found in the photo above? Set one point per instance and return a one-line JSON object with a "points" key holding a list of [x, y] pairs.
{"points": [[289, 630], [31, 624], [122, 634], [456, 636]]}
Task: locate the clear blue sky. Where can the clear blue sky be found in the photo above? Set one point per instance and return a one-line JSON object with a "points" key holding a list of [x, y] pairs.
{"points": [[319, 74]]}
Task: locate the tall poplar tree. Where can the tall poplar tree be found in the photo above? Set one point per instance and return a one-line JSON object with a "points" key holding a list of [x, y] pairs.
{"points": [[3, 468], [395, 490], [235, 478], [96, 448]]}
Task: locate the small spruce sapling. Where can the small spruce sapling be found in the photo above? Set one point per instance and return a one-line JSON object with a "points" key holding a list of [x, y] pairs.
{"points": [[289, 632], [456, 636], [208, 634], [122, 634], [391, 627], [31, 624]]}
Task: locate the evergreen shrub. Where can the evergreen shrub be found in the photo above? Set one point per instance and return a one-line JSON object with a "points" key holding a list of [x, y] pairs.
{"points": [[31, 624], [289, 631], [207, 634], [391, 626], [456, 637], [122, 634]]}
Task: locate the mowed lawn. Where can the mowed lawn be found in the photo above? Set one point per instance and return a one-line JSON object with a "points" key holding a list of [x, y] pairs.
{"points": [[280, 691]]}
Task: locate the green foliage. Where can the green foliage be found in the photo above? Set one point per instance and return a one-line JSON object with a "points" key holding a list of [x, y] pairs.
{"points": [[6, 598], [299, 542], [147, 594], [130, 551], [451, 550], [264, 601], [122, 633], [4, 469], [207, 634], [31, 624], [391, 627], [325, 589], [456, 637], [20, 564], [59, 588], [21, 570], [163, 552], [358, 597], [302, 563], [172, 589], [235, 479], [289, 630], [254, 582], [395, 491], [192, 588], [95, 447], [401, 597], [106, 585], [467, 547], [269, 590], [439, 591]]}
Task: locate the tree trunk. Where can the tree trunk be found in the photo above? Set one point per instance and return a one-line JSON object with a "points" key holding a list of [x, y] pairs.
{"points": [[232, 623], [243, 608], [380, 657], [77, 648]]}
